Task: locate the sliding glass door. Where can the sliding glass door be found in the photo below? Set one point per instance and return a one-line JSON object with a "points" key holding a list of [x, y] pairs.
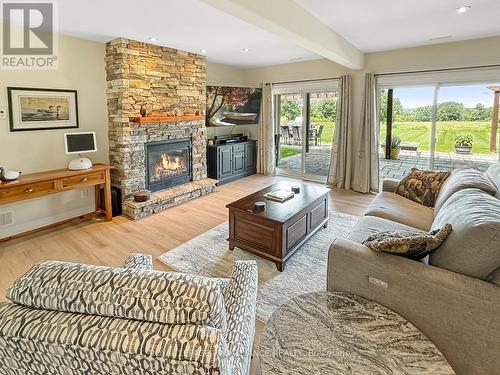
{"points": [[405, 130], [466, 130], [321, 111], [289, 118], [440, 126], [305, 121]]}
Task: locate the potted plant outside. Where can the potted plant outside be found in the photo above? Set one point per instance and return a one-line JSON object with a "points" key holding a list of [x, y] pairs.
{"points": [[463, 144], [395, 147]]}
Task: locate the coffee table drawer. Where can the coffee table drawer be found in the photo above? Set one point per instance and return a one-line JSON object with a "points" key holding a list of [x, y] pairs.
{"points": [[296, 232], [257, 234], [318, 214]]}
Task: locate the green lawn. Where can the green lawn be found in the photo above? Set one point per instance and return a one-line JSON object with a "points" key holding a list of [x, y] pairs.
{"points": [[327, 135], [420, 132], [446, 134], [288, 151]]}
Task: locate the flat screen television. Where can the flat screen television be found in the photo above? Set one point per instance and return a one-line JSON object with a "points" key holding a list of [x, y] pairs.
{"points": [[229, 106]]}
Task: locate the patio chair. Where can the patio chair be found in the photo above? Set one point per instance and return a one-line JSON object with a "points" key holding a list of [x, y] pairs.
{"points": [[317, 134], [286, 133], [296, 134]]}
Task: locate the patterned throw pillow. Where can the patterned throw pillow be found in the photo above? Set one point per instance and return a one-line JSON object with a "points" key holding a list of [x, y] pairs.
{"points": [[146, 295], [415, 245], [422, 186]]}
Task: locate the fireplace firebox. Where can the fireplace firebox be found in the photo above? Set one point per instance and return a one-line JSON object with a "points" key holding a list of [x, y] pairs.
{"points": [[168, 163]]}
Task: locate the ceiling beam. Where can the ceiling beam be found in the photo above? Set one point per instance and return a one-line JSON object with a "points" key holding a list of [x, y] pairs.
{"points": [[289, 20]]}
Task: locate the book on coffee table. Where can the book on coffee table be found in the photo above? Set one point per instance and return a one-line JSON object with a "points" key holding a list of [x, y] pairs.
{"points": [[280, 195]]}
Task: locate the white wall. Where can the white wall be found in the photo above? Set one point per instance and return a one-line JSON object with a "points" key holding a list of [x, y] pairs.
{"points": [[224, 75], [81, 67]]}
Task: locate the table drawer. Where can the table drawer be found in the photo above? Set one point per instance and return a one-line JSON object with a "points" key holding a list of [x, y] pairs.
{"points": [[82, 181], [19, 193], [318, 214], [256, 234], [296, 232]]}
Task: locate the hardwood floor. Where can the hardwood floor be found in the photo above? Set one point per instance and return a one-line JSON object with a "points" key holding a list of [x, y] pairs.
{"points": [[99, 242]]}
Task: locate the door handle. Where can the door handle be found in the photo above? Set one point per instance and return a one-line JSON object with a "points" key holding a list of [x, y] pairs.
{"points": [[84, 179], [28, 190]]}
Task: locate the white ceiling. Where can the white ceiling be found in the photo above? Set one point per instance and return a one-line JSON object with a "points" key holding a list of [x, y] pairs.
{"points": [[192, 25], [189, 25], [389, 24]]}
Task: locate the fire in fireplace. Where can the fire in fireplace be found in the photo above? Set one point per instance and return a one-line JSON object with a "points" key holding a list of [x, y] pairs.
{"points": [[168, 163]]}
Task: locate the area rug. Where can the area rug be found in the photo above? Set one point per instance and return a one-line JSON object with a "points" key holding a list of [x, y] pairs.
{"points": [[209, 255]]}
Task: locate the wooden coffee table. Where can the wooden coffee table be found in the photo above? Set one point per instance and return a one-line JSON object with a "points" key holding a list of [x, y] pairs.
{"points": [[278, 231]]}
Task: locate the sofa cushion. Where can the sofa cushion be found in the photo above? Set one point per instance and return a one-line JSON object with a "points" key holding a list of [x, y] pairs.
{"points": [[422, 186], [473, 247], [463, 179], [146, 295], [493, 173], [409, 244], [369, 225], [394, 207]]}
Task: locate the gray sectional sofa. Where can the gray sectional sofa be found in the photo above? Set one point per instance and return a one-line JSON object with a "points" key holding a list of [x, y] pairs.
{"points": [[454, 299]]}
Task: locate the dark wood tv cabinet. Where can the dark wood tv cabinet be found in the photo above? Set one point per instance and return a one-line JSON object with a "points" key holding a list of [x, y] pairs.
{"points": [[282, 228], [230, 162]]}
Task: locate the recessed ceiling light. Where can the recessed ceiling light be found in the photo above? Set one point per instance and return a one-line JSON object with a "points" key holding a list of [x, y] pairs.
{"points": [[152, 39], [246, 49], [463, 9], [203, 51]]}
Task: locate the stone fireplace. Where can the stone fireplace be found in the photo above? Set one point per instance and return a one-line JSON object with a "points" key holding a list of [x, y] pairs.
{"points": [[164, 154], [168, 163]]}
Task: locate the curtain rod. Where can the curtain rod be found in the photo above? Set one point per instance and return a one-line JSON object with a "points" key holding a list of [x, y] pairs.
{"points": [[305, 80], [438, 70]]}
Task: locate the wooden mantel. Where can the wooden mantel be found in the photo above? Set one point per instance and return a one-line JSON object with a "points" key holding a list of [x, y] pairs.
{"points": [[149, 119]]}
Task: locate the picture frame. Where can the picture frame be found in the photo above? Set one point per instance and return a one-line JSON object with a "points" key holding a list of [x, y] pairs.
{"points": [[42, 109]]}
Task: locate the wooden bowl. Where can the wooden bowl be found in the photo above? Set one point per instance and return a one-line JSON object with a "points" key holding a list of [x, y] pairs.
{"points": [[142, 196]]}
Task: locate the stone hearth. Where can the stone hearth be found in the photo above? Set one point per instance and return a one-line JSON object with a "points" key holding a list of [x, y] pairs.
{"points": [[164, 199]]}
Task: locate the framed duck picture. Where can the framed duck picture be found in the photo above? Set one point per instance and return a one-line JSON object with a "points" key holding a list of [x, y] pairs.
{"points": [[42, 109]]}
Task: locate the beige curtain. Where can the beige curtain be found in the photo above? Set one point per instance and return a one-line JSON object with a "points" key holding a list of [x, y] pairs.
{"points": [[365, 178], [340, 172], [265, 144]]}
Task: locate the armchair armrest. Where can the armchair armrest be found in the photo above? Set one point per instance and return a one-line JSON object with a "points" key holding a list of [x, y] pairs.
{"points": [[139, 261], [390, 184], [459, 314], [240, 297]]}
